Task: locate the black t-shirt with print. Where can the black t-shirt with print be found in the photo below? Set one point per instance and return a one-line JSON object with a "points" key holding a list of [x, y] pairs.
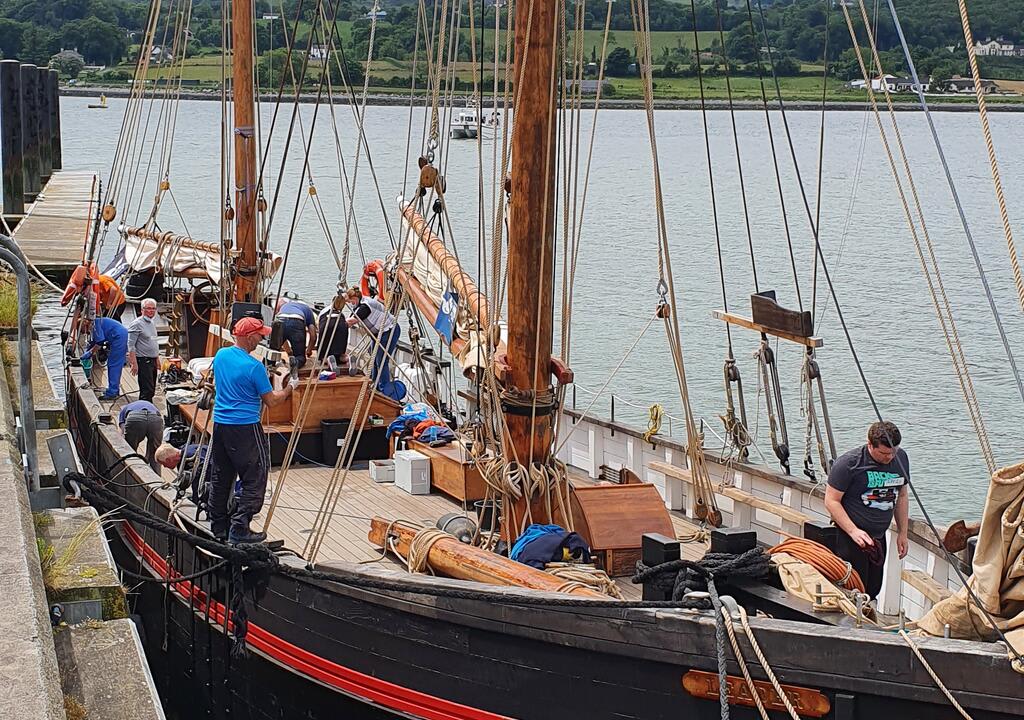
{"points": [[869, 488]]}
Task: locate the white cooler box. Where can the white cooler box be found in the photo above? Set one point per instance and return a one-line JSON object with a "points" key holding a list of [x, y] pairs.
{"points": [[412, 472], [382, 471]]}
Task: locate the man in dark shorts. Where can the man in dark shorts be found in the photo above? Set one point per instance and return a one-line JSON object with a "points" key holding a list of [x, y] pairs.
{"points": [[866, 488]]}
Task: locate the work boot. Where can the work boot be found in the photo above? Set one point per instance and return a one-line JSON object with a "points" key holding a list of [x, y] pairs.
{"points": [[246, 537]]}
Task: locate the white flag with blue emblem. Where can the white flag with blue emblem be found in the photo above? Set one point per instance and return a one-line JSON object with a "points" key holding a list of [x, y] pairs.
{"points": [[445, 322]]}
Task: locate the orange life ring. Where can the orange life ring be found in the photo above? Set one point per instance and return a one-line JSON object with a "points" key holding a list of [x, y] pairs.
{"points": [[374, 271]]}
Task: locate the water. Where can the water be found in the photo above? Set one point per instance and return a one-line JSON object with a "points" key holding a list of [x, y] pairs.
{"points": [[863, 232]]}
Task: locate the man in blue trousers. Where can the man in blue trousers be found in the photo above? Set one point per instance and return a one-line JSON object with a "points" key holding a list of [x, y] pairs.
{"points": [[111, 338]]}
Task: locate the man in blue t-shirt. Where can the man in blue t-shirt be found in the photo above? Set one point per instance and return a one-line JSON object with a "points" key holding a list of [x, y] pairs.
{"points": [[239, 445], [297, 322], [867, 487]]}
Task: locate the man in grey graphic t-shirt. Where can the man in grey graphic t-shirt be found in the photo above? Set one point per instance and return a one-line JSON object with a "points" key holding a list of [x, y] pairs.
{"points": [[866, 488]]}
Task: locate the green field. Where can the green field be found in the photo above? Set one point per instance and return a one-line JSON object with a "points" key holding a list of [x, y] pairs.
{"points": [[743, 88]]}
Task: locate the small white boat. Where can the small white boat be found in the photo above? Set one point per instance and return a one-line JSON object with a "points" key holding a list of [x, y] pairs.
{"points": [[467, 122]]}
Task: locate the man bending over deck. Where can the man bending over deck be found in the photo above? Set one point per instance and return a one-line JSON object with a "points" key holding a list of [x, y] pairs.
{"points": [[240, 447], [382, 326], [299, 325], [866, 487], [141, 420]]}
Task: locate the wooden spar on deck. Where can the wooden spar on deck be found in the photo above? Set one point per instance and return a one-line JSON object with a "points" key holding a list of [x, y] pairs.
{"points": [[245, 148], [169, 238], [461, 280], [455, 559], [531, 229]]}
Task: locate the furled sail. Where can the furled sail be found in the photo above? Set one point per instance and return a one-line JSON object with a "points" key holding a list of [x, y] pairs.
{"points": [[180, 255], [427, 271], [998, 578]]}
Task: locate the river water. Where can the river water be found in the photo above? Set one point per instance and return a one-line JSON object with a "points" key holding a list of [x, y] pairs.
{"points": [[864, 235]]}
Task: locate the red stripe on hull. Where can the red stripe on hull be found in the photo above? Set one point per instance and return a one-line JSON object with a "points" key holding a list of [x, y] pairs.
{"points": [[381, 692]]}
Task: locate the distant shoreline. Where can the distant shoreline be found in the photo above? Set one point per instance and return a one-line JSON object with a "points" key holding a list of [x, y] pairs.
{"points": [[606, 103]]}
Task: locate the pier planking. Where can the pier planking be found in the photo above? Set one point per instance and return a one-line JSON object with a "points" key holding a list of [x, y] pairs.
{"points": [[56, 225]]}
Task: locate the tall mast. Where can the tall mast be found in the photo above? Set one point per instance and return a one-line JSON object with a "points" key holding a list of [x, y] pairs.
{"points": [[245, 146], [531, 230]]}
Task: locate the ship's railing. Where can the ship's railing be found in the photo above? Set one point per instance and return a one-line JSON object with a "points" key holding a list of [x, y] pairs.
{"points": [[751, 497]]}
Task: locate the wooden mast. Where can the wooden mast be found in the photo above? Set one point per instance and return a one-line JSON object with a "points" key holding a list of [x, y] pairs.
{"points": [[245, 147], [531, 232]]}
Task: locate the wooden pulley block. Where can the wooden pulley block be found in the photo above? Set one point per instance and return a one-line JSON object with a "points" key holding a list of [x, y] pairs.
{"points": [[229, 213], [508, 184], [428, 174], [706, 515], [261, 204], [109, 213], [664, 311]]}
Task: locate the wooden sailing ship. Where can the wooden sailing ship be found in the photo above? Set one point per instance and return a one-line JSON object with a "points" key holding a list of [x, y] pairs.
{"points": [[482, 636]]}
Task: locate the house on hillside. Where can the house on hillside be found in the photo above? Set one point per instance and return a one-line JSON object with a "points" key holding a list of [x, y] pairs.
{"points": [[998, 48], [159, 55], [379, 15], [318, 52], [961, 85]]}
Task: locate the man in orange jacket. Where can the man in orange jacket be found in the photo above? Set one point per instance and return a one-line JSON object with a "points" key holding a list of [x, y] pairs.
{"points": [[110, 301]]}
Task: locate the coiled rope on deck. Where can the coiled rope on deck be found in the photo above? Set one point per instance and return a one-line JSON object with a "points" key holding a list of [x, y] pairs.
{"points": [[823, 560]]}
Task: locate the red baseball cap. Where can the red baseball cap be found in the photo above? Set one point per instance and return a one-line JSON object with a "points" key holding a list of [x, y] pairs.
{"points": [[250, 325]]}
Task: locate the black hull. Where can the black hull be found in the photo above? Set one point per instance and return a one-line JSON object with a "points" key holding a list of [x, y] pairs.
{"points": [[314, 645]]}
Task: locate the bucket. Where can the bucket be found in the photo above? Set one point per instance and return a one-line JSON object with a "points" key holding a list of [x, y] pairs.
{"points": [[485, 513], [331, 432]]}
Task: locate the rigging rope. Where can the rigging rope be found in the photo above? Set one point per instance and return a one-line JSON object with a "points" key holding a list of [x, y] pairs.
{"points": [[705, 505], [997, 181], [936, 287]]}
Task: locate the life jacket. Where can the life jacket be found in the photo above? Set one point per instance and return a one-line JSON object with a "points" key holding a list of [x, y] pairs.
{"points": [[379, 320], [372, 282], [77, 282]]}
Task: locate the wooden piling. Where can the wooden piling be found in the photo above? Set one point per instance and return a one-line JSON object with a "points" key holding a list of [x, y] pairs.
{"points": [[53, 85], [43, 118], [30, 130], [10, 138]]}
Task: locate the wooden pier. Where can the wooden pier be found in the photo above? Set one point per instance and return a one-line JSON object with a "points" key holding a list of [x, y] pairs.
{"points": [[55, 227]]}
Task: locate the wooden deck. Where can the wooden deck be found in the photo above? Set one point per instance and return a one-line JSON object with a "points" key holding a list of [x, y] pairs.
{"points": [[361, 499], [53, 232]]}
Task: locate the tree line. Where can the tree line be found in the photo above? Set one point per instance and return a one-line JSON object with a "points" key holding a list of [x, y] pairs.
{"points": [[798, 31]]}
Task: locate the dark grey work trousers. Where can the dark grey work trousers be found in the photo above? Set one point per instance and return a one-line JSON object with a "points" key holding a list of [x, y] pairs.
{"points": [[147, 377], [242, 452], [145, 425], [295, 334]]}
